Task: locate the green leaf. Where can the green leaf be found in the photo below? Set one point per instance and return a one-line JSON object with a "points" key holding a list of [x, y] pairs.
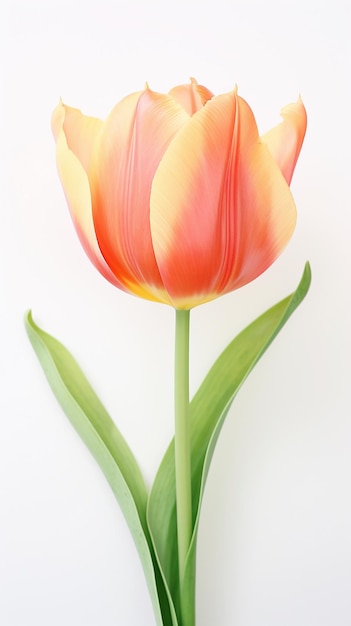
{"points": [[105, 442], [209, 409]]}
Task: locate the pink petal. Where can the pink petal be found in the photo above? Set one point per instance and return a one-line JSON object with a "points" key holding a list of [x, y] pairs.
{"points": [[221, 211], [191, 97], [132, 143], [77, 144], [285, 140]]}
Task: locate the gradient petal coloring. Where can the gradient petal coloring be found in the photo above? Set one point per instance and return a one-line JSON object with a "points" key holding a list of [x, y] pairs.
{"points": [[192, 97], [175, 197], [75, 180], [285, 140], [131, 145], [221, 211]]}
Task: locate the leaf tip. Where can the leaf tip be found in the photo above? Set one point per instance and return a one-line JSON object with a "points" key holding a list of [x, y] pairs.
{"points": [[28, 318], [307, 274]]}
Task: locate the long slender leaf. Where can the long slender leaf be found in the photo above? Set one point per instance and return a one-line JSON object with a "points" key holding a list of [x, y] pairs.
{"points": [[209, 408], [100, 434]]}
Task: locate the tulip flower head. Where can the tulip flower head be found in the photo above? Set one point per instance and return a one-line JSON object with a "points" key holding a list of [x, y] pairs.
{"points": [[175, 197]]}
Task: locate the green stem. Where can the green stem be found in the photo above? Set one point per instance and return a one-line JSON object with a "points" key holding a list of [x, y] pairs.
{"points": [[182, 438]]}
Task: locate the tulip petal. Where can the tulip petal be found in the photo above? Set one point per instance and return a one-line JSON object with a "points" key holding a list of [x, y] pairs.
{"points": [[285, 140], [221, 211], [73, 156], [191, 97], [132, 142]]}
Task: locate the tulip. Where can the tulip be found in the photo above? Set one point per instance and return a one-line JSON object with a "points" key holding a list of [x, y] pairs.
{"points": [[175, 197]]}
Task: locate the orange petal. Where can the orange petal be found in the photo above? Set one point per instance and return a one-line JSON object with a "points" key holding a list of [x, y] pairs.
{"points": [[132, 143], [70, 149], [191, 97], [220, 209], [285, 140]]}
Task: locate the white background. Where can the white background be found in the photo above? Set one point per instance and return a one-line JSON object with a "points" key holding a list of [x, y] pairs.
{"points": [[275, 539]]}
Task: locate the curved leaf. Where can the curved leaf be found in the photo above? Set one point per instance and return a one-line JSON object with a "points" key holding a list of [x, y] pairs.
{"points": [[105, 442], [209, 408]]}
